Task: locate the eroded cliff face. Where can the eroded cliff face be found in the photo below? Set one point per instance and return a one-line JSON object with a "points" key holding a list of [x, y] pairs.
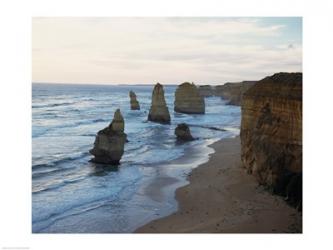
{"points": [[206, 90], [271, 134], [233, 92]]}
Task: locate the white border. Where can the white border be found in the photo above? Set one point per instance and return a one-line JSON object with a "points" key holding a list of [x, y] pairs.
{"points": [[15, 73]]}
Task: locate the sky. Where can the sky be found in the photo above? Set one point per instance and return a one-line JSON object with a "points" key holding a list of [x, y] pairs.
{"points": [[169, 50]]}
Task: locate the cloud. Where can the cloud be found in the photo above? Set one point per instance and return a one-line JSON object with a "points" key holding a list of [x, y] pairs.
{"points": [[131, 50]]}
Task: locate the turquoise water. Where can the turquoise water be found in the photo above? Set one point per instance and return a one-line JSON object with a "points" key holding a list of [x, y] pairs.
{"points": [[72, 195]]}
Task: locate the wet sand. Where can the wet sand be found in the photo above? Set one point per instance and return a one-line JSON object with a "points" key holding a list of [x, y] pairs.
{"points": [[223, 198]]}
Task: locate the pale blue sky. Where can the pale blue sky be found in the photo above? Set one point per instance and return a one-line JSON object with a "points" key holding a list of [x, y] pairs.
{"points": [[117, 50]]}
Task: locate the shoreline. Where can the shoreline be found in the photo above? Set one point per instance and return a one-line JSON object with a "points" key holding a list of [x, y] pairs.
{"points": [[157, 188], [235, 204]]}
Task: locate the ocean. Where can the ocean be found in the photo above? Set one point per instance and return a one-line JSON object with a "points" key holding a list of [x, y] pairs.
{"points": [[70, 194]]}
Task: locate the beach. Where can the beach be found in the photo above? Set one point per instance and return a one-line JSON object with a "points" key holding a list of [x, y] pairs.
{"points": [[222, 198]]}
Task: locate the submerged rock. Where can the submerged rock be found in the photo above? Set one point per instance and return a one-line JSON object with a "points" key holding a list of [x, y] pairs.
{"points": [[271, 134], [134, 102], [110, 141], [188, 99], [159, 111], [183, 132]]}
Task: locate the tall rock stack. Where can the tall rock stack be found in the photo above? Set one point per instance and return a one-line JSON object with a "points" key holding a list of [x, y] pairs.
{"points": [[110, 141], [134, 102], [271, 134], [159, 111], [188, 99]]}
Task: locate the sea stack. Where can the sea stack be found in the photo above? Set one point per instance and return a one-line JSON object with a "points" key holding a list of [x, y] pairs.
{"points": [[183, 132], [134, 102], [271, 134], [110, 141], [188, 99], [159, 111]]}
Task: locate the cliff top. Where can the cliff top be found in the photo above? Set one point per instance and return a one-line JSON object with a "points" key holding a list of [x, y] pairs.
{"points": [[279, 85], [186, 84]]}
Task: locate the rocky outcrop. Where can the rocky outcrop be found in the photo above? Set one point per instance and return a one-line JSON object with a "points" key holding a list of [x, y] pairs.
{"points": [[159, 111], [134, 102], [233, 92], [183, 132], [271, 134], [110, 141], [206, 90], [188, 100]]}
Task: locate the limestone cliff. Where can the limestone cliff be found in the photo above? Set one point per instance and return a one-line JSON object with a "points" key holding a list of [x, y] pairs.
{"points": [[271, 134], [233, 92], [110, 141], [133, 101], [206, 90], [159, 111], [188, 100]]}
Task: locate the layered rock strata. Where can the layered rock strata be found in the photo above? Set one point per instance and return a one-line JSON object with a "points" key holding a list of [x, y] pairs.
{"points": [[188, 99], [159, 111], [206, 90], [233, 92], [271, 134], [110, 141]]}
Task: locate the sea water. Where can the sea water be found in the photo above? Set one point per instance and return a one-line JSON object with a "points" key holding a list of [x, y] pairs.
{"points": [[70, 194]]}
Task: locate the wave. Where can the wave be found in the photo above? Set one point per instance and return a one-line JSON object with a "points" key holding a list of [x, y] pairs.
{"points": [[53, 105], [207, 127], [94, 202], [50, 167], [100, 120], [44, 223], [57, 186], [89, 134], [44, 131]]}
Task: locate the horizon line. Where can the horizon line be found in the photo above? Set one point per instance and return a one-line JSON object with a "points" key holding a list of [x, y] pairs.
{"points": [[126, 84]]}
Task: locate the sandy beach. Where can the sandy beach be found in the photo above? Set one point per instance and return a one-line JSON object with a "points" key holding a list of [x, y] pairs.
{"points": [[223, 198]]}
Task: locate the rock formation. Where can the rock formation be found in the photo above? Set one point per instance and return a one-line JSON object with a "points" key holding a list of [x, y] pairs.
{"points": [[271, 134], [188, 99], [159, 111], [134, 102], [233, 92], [206, 90], [183, 132], [110, 141]]}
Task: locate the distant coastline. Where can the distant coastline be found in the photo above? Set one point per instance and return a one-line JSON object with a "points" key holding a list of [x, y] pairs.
{"points": [[101, 84]]}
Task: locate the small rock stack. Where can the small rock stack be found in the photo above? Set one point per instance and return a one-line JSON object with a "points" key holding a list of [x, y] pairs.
{"points": [[159, 111], [110, 141], [183, 132], [134, 102]]}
